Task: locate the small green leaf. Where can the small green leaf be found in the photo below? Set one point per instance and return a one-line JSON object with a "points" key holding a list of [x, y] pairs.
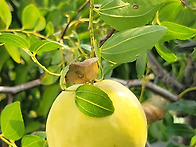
{"points": [[12, 124], [126, 15], [5, 13], [125, 46], [40, 24], [62, 78], [193, 54], [30, 16], [33, 141], [182, 130], [141, 64], [165, 53], [177, 31], [50, 79], [13, 52], [183, 106], [49, 29], [93, 102], [14, 40], [57, 57], [44, 46], [193, 141]]}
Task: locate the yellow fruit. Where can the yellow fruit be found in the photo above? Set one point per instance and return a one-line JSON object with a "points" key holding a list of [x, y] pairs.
{"points": [[67, 126]]}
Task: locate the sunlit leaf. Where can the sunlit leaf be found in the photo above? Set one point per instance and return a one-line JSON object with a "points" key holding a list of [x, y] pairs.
{"points": [[177, 31], [13, 52], [5, 13], [41, 24], [44, 46], [93, 102], [14, 40], [30, 16], [125, 46], [33, 141], [12, 124], [165, 53], [49, 29]]}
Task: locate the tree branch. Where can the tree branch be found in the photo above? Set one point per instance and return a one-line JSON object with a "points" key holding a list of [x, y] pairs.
{"points": [[20, 88], [150, 86], [102, 41], [168, 79]]}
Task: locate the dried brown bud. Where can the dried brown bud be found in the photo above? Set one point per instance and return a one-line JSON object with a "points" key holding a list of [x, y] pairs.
{"points": [[152, 108], [81, 72]]}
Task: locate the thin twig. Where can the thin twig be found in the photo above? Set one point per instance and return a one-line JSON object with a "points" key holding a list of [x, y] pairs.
{"points": [[20, 88], [102, 41], [150, 86], [67, 26]]}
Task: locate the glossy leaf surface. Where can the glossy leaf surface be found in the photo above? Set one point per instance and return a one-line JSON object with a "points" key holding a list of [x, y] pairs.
{"points": [[12, 124], [93, 102], [125, 46]]}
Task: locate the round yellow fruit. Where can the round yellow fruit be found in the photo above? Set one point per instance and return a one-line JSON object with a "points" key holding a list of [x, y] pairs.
{"points": [[67, 126]]}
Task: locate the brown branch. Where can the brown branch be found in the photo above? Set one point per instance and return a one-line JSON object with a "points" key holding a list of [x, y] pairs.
{"points": [[150, 86], [168, 79], [67, 26], [102, 41], [20, 88]]}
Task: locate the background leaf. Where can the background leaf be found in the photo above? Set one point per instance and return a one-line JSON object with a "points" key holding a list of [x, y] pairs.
{"points": [[41, 24], [93, 102], [125, 15], [49, 29], [177, 31], [5, 13], [30, 16], [182, 130], [44, 46], [125, 46], [141, 64], [183, 106], [165, 53], [13, 52], [33, 141], [14, 40], [12, 124]]}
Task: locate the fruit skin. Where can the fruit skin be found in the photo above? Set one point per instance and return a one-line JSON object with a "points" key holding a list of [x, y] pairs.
{"points": [[68, 127]]}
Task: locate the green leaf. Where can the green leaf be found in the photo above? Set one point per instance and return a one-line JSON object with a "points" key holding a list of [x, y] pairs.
{"points": [[57, 57], [125, 46], [48, 97], [5, 13], [33, 141], [30, 16], [50, 79], [41, 24], [14, 40], [93, 102], [182, 130], [193, 54], [12, 124], [165, 53], [49, 29], [177, 31], [141, 64], [125, 15], [13, 52], [193, 141], [32, 126], [62, 78], [183, 106], [182, 15], [44, 46]]}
